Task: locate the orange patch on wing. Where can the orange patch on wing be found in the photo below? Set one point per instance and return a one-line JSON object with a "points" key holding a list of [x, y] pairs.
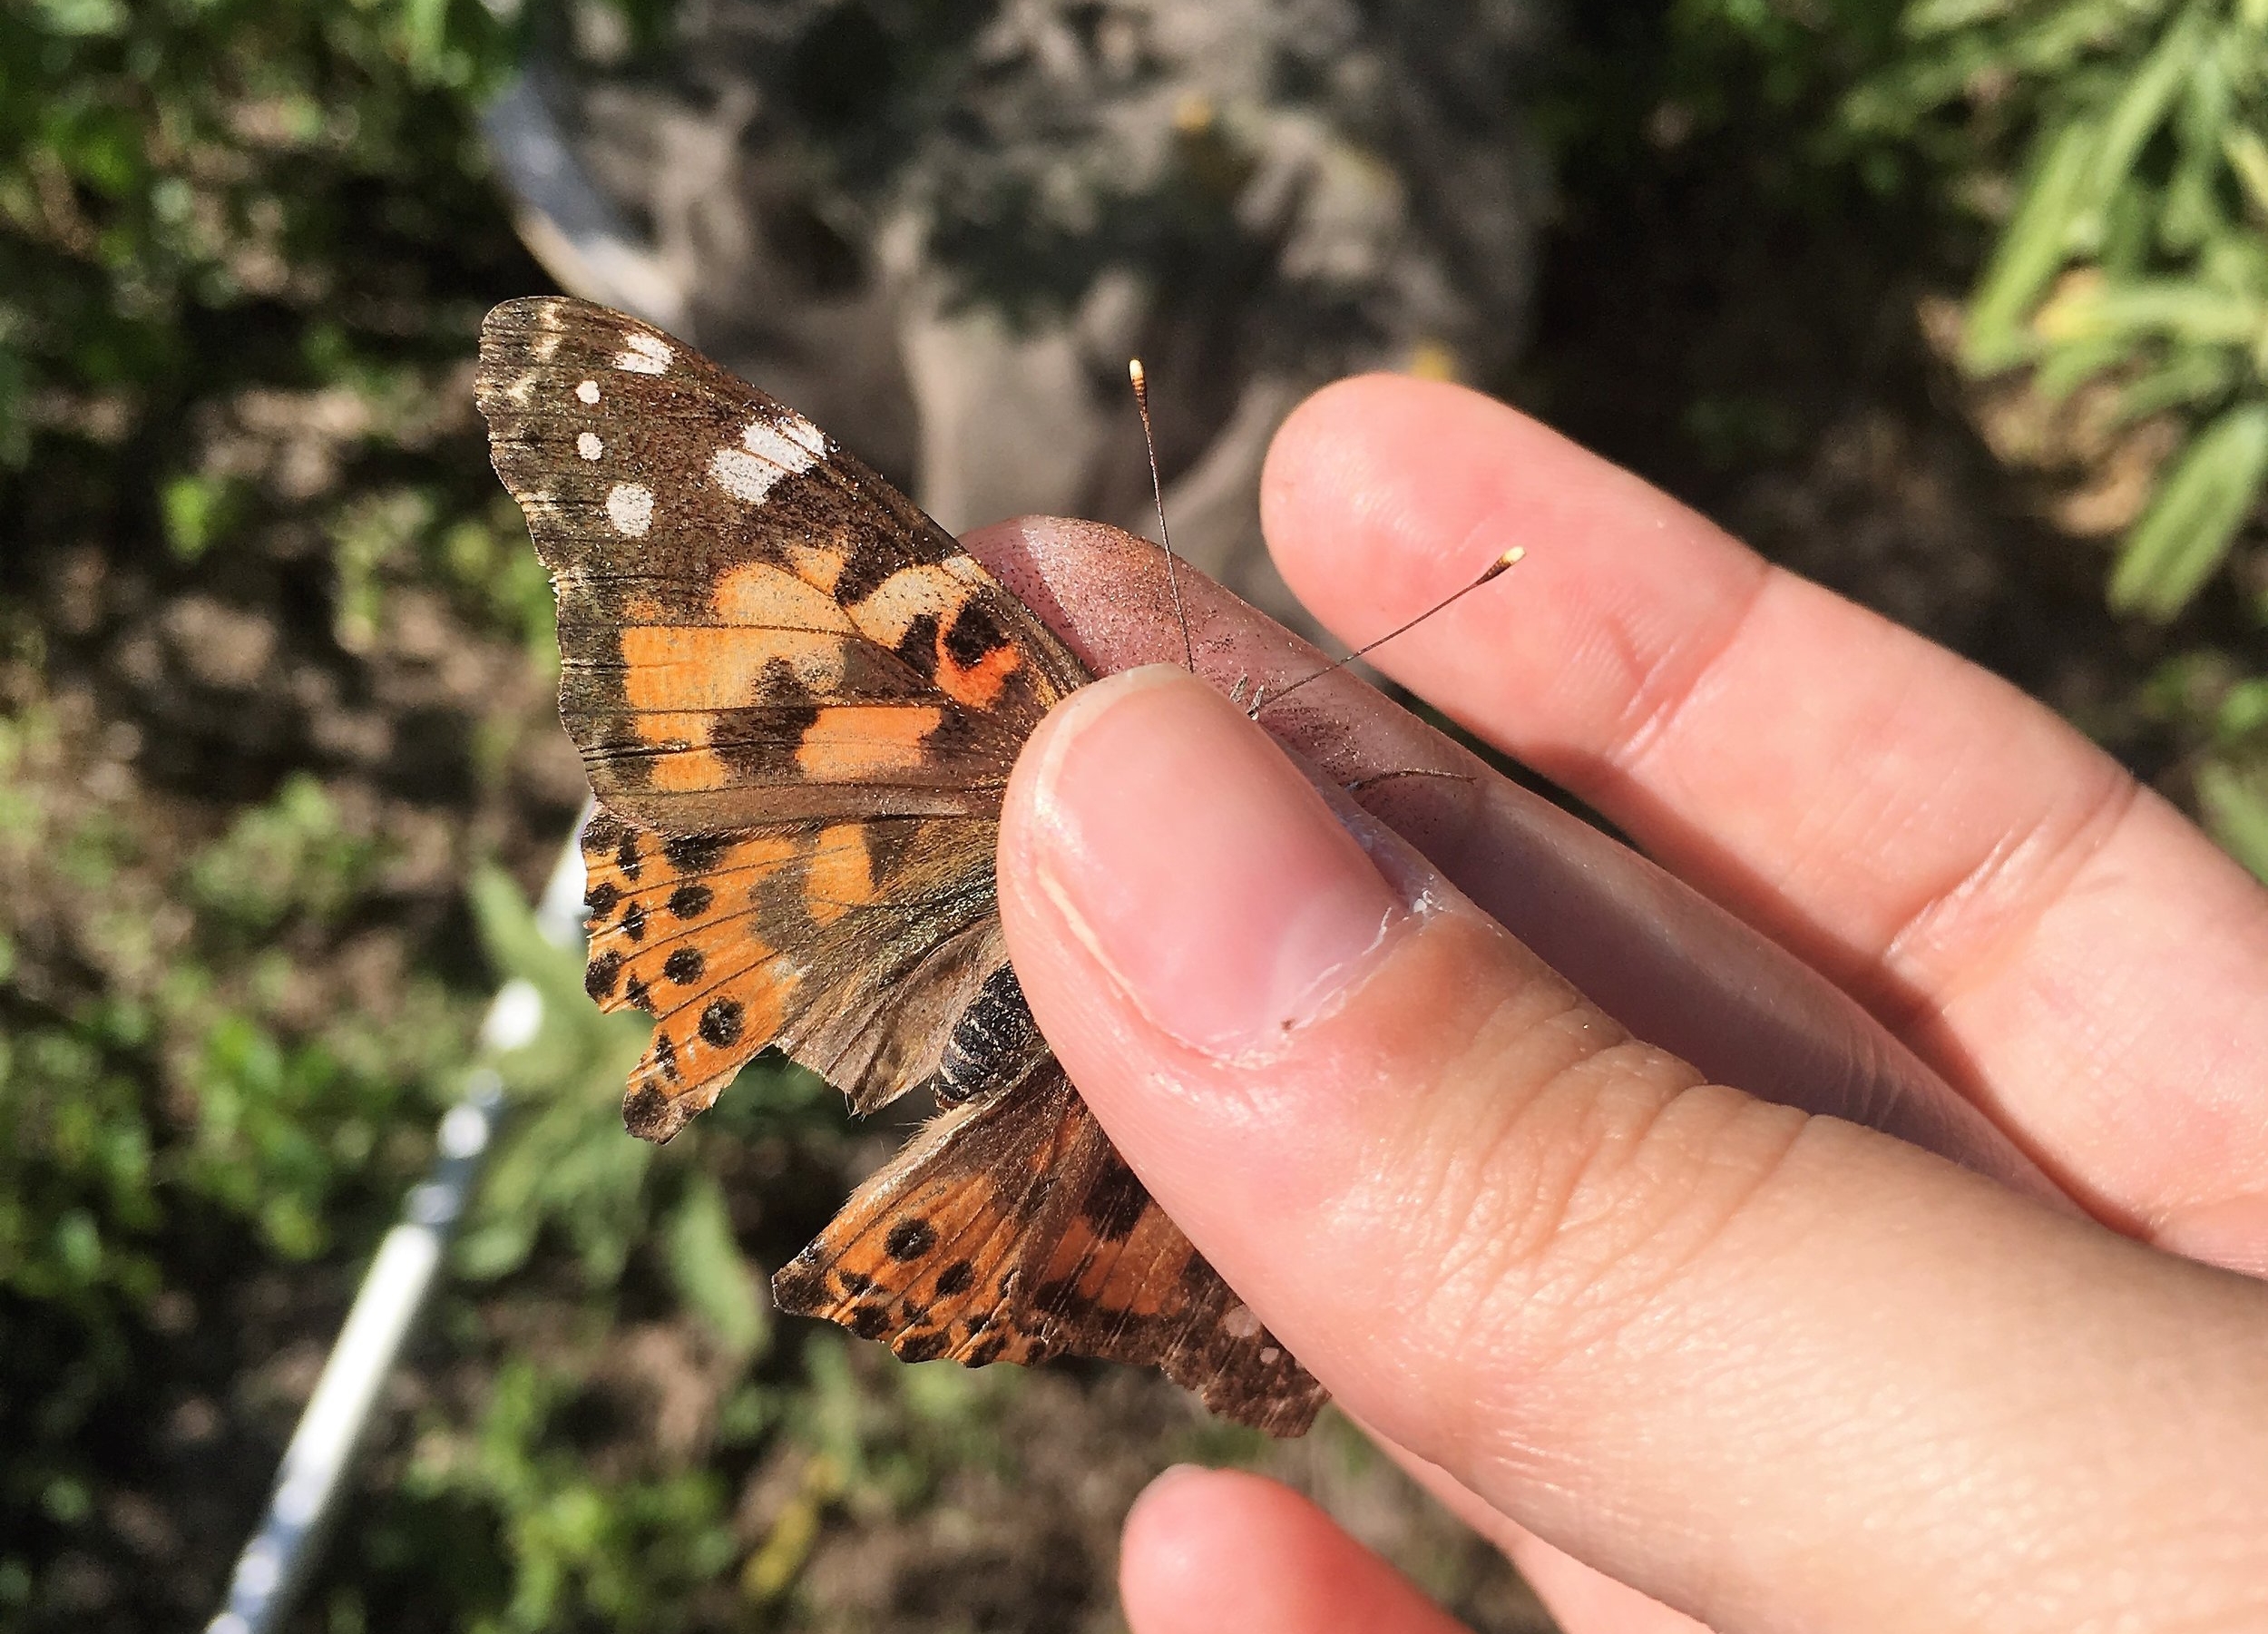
{"points": [[686, 771], [858, 741], [978, 685], [1114, 1277], [761, 851], [681, 761], [713, 1031], [700, 667], [840, 876], [818, 564], [760, 594], [717, 947]]}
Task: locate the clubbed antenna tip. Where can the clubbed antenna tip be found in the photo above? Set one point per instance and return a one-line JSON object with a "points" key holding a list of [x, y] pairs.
{"points": [[1509, 558], [1139, 378]]}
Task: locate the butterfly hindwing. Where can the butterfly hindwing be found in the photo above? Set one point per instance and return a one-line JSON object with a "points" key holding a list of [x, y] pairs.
{"points": [[927, 1256], [1011, 1229], [1111, 1276], [853, 946], [798, 701]]}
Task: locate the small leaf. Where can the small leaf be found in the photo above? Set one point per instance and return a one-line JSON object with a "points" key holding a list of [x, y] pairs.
{"points": [[2149, 96], [2248, 156], [2030, 251], [2180, 309], [2244, 710], [710, 1274], [196, 511], [1925, 18], [2236, 809], [2188, 375], [2193, 517]]}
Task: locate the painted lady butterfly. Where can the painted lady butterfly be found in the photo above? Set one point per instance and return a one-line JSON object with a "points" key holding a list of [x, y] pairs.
{"points": [[798, 700]]}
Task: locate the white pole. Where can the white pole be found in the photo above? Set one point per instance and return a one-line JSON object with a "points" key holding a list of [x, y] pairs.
{"points": [[276, 1562]]}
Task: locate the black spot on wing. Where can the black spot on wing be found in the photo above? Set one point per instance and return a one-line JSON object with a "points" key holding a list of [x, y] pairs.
{"points": [[910, 1239], [646, 1108], [922, 1348], [693, 853], [974, 635], [602, 834], [720, 1022], [918, 645], [1116, 1201], [761, 741]]}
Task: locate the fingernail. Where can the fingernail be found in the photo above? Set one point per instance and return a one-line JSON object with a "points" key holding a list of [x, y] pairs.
{"points": [[2232, 1233], [1198, 866]]}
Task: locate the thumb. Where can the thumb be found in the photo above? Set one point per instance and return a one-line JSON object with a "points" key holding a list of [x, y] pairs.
{"points": [[1770, 1368]]}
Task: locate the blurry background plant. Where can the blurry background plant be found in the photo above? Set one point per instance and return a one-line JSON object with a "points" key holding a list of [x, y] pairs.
{"points": [[1957, 305]]}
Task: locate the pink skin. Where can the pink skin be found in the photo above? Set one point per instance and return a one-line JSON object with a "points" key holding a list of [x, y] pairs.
{"points": [[1764, 1366]]}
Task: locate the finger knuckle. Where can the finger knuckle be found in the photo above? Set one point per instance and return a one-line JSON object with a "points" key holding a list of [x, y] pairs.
{"points": [[1568, 1213]]}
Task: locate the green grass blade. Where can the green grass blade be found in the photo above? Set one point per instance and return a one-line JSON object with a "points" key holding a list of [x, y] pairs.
{"points": [[2237, 811], [2030, 252], [2193, 517]]}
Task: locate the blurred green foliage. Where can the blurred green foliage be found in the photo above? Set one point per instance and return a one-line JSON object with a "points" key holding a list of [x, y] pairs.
{"points": [[170, 154], [2115, 152]]}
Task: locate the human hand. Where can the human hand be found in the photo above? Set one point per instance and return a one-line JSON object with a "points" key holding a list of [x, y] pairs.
{"points": [[1762, 1365]]}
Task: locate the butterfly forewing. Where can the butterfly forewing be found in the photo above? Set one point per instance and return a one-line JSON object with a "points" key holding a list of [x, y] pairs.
{"points": [[753, 626], [798, 701]]}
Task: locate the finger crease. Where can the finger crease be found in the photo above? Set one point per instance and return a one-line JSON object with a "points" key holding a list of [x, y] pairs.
{"points": [[1665, 687], [1929, 960]]}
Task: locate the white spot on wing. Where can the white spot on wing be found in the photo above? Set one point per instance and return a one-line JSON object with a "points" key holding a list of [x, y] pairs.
{"points": [[588, 391], [1268, 1355], [1240, 1323], [792, 443], [629, 507], [768, 454], [743, 475], [587, 444], [644, 354]]}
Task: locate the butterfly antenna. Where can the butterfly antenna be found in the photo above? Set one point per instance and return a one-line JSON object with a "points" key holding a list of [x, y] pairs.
{"points": [[1494, 568], [1141, 380]]}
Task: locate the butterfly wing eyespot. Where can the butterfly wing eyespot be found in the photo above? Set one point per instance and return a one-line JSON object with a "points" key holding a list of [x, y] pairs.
{"points": [[799, 700]]}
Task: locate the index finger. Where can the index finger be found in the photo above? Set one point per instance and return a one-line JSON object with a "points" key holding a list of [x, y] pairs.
{"points": [[1675, 968], [2057, 942]]}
